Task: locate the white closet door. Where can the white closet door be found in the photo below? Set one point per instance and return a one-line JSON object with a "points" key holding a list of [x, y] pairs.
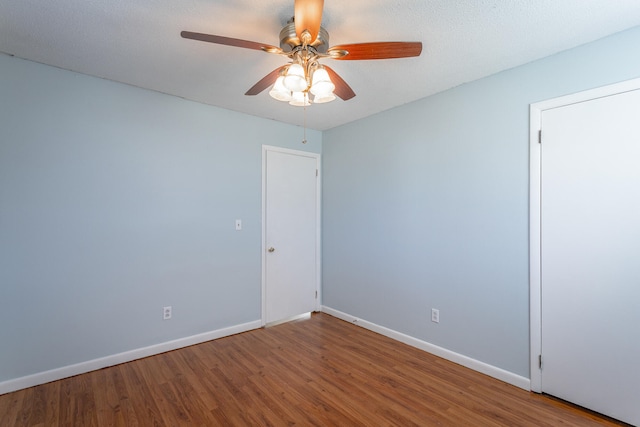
{"points": [[590, 256], [291, 233]]}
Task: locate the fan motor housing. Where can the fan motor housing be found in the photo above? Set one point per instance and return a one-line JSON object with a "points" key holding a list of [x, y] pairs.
{"points": [[289, 40]]}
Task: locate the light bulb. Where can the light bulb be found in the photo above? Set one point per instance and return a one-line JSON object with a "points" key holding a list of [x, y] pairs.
{"points": [[295, 80], [279, 92]]}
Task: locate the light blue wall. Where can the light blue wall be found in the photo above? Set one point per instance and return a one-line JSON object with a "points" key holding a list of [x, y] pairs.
{"points": [[426, 205], [114, 202]]}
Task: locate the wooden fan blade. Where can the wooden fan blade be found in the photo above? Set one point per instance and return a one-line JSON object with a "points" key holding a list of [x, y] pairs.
{"points": [[265, 82], [307, 15], [228, 41], [342, 90], [376, 50]]}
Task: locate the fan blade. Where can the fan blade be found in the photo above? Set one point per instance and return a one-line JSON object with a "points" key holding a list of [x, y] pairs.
{"points": [[307, 15], [342, 90], [228, 41], [376, 50], [265, 82]]}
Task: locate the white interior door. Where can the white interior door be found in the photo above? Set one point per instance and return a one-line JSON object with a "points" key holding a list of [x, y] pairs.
{"points": [[291, 233], [590, 254]]}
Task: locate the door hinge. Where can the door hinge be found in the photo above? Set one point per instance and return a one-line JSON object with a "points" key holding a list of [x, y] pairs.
{"points": [[539, 361], [316, 294], [316, 172], [540, 136]]}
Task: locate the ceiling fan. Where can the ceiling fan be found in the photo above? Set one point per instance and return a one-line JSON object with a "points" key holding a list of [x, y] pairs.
{"points": [[304, 41]]}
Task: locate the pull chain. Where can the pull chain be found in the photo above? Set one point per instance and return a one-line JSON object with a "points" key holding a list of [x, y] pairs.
{"points": [[304, 136]]}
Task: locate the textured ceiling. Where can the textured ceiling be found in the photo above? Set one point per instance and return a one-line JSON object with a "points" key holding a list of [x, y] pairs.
{"points": [[138, 42]]}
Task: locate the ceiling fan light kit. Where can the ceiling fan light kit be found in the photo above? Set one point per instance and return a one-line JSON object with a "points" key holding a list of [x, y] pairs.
{"points": [[297, 80], [305, 42]]}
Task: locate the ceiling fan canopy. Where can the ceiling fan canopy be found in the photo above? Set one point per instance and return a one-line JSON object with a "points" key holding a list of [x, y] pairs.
{"points": [[304, 42]]}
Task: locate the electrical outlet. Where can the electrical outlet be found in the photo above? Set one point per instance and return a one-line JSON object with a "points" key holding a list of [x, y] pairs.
{"points": [[435, 315], [166, 312]]}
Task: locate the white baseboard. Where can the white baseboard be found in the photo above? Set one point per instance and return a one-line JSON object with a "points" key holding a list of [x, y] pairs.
{"points": [[116, 359], [476, 365]]}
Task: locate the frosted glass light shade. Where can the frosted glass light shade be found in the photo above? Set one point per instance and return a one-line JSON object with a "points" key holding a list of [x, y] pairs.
{"points": [[321, 99], [294, 80], [300, 99], [321, 83], [279, 92]]}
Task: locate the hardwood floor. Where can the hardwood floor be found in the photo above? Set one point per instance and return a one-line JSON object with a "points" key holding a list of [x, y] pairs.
{"points": [[321, 371]]}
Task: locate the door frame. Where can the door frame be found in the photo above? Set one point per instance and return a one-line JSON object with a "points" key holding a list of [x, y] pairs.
{"points": [[317, 157], [535, 205]]}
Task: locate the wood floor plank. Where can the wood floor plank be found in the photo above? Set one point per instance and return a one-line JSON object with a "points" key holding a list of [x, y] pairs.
{"points": [[317, 372], [140, 395], [124, 410], [10, 404], [51, 395], [107, 402], [84, 402], [22, 417]]}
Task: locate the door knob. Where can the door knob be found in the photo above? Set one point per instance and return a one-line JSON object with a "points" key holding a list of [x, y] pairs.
{"points": [[271, 249]]}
